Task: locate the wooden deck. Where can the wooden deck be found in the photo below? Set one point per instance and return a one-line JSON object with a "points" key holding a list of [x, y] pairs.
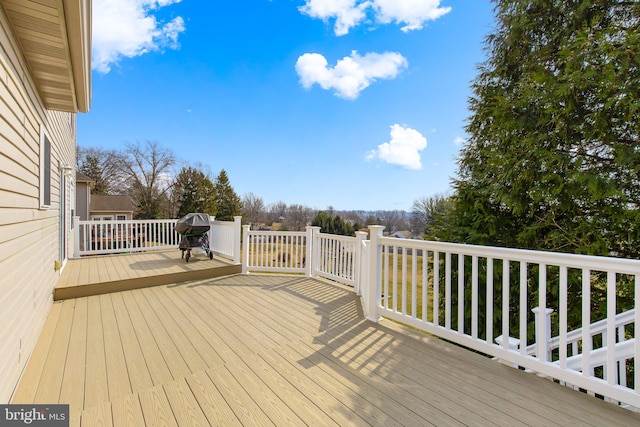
{"points": [[275, 350], [99, 274]]}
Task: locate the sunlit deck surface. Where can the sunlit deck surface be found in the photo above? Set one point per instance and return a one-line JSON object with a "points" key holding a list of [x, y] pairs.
{"points": [[92, 275], [275, 350]]}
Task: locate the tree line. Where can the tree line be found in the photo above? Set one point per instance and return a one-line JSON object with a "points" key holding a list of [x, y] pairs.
{"points": [[144, 171]]}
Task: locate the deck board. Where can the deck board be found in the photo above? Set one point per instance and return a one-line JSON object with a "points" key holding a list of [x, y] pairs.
{"points": [[96, 389], [28, 386], [211, 401], [275, 350], [76, 357], [118, 380], [99, 274]]}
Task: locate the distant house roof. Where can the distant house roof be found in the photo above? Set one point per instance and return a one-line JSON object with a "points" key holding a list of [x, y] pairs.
{"points": [[402, 234], [80, 177], [107, 203]]}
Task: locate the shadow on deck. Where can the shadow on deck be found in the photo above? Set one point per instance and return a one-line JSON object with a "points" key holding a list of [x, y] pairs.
{"points": [[275, 350], [100, 274]]}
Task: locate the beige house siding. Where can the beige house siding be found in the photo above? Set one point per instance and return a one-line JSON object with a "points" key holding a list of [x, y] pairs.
{"points": [[29, 236]]}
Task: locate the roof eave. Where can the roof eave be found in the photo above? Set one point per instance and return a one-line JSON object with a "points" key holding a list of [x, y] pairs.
{"points": [[54, 37]]}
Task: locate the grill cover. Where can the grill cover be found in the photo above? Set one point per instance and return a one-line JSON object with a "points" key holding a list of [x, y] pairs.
{"points": [[193, 223]]}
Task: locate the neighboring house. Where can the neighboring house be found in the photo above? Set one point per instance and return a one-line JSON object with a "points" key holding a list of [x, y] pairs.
{"points": [[84, 185], [110, 207], [45, 79], [100, 206], [401, 235]]}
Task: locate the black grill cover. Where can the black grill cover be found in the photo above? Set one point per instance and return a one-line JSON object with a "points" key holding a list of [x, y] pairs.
{"points": [[193, 223]]}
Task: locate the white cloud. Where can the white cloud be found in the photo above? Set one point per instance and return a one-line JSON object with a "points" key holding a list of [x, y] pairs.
{"points": [[412, 13], [128, 28], [350, 13], [403, 150], [352, 74], [346, 12]]}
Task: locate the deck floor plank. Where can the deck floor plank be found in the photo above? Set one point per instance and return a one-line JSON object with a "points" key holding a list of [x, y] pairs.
{"points": [[274, 350], [168, 349], [156, 408], [304, 381], [137, 368], [76, 357], [180, 340], [184, 405], [127, 411], [243, 406], [456, 388], [97, 416], [370, 399], [156, 364], [269, 402], [118, 381], [205, 349], [53, 371], [213, 404], [28, 386], [96, 390], [370, 354]]}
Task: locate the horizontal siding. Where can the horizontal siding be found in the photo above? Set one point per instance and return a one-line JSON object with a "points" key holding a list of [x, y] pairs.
{"points": [[29, 236]]}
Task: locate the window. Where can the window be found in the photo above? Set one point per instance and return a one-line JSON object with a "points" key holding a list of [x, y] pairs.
{"points": [[45, 172], [121, 217]]}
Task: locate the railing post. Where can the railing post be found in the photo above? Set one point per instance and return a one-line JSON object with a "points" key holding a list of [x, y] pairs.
{"points": [[375, 273], [245, 248], [76, 237], [543, 332], [361, 236], [309, 256], [237, 235]]}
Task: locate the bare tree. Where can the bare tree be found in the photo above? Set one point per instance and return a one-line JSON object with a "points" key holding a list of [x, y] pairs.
{"points": [[147, 168], [276, 212], [394, 220], [253, 211], [429, 215], [298, 216], [104, 167]]}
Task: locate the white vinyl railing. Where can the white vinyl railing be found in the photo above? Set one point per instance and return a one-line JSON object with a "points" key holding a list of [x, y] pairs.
{"points": [[276, 252], [122, 236], [116, 236], [460, 293], [224, 238], [310, 252]]}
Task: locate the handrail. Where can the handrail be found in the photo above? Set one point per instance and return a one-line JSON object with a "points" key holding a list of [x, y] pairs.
{"points": [[92, 237]]}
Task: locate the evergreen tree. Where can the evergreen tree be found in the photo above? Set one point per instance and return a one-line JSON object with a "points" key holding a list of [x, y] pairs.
{"points": [[553, 157], [194, 192], [332, 224], [228, 202]]}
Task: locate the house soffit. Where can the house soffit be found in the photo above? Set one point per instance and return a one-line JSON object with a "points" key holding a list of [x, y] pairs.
{"points": [[55, 39]]}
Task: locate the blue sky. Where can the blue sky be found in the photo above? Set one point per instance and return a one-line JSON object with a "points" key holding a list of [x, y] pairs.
{"points": [[357, 104]]}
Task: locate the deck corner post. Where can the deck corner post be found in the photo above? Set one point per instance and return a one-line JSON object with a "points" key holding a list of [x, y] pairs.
{"points": [[237, 235], [76, 236], [543, 332], [361, 236], [245, 248], [375, 274], [311, 250]]}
